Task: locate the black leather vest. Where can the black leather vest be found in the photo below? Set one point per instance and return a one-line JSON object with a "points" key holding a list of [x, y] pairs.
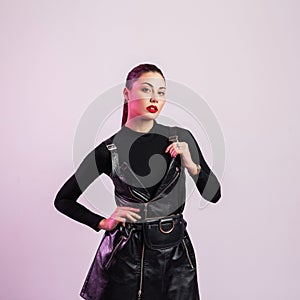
{"points": [[170, 195]]}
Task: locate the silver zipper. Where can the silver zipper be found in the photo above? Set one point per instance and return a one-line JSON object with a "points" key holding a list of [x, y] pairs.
{"points": [[187, 253], [114, 250], [145, 208], [136, 192], [141, 273]]}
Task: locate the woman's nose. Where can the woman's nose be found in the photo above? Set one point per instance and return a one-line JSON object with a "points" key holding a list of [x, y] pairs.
{"points": [[153, 98]]}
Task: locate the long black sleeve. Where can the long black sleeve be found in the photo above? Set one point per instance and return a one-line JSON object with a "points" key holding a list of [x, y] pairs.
{"points": [[98, 161], [206, 181], [94, 164]]}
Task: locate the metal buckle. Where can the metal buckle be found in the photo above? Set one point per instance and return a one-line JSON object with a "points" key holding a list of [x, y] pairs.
{"points": [[168, 231], [111, 147], [173, 138]]}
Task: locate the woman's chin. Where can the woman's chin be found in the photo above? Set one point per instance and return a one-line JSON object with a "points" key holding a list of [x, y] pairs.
{"points": [[149, 116]]}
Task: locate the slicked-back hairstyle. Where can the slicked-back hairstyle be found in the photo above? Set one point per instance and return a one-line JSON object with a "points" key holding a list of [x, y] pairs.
{"points": [[132, 76]]}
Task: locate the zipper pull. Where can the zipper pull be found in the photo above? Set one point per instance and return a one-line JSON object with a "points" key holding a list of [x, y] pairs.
{"points": [[139, 295], [145, 210]]}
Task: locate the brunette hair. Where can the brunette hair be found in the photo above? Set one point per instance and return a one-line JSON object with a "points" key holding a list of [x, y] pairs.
{"points": [[132, 76]]}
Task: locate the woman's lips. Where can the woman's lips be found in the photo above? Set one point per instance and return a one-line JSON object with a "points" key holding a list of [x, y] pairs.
{"points": [[152, 108]]}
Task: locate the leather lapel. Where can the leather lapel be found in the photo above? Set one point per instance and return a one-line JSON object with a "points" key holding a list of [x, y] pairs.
{"points": [[168, 181]]}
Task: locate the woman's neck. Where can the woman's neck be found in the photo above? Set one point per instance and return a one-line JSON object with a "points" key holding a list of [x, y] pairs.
{"points": [[140, 125]]}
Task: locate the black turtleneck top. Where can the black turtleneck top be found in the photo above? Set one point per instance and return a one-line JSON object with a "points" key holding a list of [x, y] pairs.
{"points": [[145, 145]]}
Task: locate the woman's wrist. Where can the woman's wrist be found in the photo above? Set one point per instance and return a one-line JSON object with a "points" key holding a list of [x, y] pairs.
{"points": [[194, 169]]}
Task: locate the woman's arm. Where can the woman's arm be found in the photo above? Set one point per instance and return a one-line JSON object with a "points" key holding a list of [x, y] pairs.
{"points": [[206, 181], [94, 164]]}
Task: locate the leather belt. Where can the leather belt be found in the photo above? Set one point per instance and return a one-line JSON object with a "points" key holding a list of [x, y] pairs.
{"points": [[139, 226]]}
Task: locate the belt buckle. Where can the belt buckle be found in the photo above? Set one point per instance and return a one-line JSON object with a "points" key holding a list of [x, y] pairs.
{"points": [[165, 220]]}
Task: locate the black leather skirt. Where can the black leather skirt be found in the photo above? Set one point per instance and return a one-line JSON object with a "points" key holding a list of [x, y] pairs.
{"points": [[124, 268]]}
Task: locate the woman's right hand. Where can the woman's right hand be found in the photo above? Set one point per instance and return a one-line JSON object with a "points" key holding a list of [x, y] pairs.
{"points": [[120, 215]]}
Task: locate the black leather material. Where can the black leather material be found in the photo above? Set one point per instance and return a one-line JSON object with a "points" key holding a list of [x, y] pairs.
{"points": [[124, 267], [164, 233], [168, 274]]}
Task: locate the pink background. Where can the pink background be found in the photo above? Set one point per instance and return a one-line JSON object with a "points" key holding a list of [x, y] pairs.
{"points": [[241, 56]]}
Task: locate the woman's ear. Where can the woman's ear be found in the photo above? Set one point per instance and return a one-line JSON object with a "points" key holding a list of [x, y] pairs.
{"points": [[125, 93]]}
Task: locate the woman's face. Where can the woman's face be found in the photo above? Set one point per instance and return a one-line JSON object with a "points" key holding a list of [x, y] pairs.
{"points": [[146, 97]]}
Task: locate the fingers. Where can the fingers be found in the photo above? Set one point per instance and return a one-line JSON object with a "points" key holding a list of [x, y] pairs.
{"points": [[171, 146], [119, 219], [133, 216], [129, 213], [129, 208], [126, 216], [174, 149], [167, 149], [122, 214], [173, 152]]}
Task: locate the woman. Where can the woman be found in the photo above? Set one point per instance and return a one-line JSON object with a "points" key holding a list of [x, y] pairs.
{"points": [[146, 251]]}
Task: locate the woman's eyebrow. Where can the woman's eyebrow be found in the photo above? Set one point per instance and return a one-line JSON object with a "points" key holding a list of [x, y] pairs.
{"points": [[162, 87]]}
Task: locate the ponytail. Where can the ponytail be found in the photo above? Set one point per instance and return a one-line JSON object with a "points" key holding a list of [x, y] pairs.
{"points": [[125, 112]]}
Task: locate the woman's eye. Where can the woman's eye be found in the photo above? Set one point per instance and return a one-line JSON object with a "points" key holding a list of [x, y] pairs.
{"points": [[146, 90], [162, 93]]}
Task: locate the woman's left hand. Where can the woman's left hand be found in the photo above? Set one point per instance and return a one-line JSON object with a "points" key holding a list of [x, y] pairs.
{"points": [[181, 148]]}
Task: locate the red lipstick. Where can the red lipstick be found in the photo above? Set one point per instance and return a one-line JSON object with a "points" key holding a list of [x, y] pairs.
{"points": [[152, 108]]}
